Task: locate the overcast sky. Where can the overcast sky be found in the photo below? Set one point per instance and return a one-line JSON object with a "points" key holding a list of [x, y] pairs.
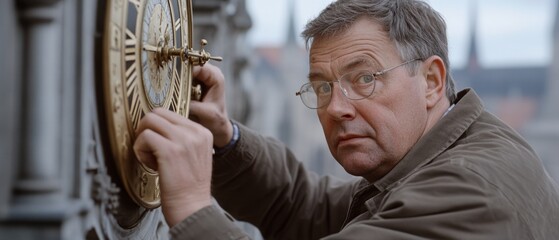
{"points": [[510, 32]]}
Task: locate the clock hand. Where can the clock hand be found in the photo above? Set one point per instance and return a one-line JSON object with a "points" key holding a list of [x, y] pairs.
{"points": [[160, 20], [148, 47], [166, 34]]}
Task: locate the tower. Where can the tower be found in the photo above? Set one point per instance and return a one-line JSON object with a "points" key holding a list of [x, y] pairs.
{"points": [[551, 104], [473, 51]]}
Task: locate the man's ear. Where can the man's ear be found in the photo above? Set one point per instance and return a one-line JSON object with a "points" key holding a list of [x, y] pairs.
{"points": [[435, 77]]}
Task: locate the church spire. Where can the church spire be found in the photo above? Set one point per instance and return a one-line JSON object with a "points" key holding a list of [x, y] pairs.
{"points": [[473, 57], [291, 28]]}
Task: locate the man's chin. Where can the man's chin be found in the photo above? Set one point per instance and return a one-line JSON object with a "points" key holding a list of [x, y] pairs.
{"points": [[361, 165], [357, 167]]}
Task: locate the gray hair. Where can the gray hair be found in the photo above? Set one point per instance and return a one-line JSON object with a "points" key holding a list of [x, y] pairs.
{"points": [[417, 30]]}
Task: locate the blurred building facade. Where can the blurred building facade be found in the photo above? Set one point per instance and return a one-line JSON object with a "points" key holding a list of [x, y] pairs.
{"points": [[543, 131], [525, 97]]}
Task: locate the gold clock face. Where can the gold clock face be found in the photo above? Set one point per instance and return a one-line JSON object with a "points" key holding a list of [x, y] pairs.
{"points": [[140, 74]]}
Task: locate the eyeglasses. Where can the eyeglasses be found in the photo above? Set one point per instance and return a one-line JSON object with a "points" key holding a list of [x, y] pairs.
{"points": [[354, 85]]}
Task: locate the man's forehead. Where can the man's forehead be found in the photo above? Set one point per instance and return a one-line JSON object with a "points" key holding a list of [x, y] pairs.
{"points": [[343, 65], [356, 62]]}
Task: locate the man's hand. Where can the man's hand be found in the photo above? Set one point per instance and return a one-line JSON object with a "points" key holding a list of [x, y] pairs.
{"points": [[211, 111], [181, 151]]}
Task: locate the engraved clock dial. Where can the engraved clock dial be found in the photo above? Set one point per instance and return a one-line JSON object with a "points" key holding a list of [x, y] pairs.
{"points": [[144, 67], [157, 30]]}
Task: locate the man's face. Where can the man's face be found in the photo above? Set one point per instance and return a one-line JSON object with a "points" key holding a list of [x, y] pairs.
{"points": [[368, 137]]}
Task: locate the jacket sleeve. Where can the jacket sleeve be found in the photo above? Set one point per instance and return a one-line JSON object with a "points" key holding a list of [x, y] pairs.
{"points": [[260, 181], [207, 223]]}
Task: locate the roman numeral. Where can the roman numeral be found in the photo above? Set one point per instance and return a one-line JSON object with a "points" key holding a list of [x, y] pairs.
{"points": [[177, 25], [130, 46], [135, 108], [175, 91], [131, 78]]}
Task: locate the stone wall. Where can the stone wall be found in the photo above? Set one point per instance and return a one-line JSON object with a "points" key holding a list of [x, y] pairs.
{"points": [[55, 180]]}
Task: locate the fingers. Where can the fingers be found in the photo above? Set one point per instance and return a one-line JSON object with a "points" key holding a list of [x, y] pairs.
{"points": [[170, 116], [155, 122], [168, 124], [217, 122], [165, 135], [146, 148], [213, 102], [211, 111], [162, 121], [158, 129], [209, 75]]}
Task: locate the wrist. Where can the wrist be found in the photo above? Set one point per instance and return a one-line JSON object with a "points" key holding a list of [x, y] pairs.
{"points": [[175, 212], [179, 206], [223, 138], [234, 137]]}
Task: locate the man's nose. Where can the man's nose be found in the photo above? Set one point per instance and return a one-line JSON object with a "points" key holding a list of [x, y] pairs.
{"points": [[339, 106]]}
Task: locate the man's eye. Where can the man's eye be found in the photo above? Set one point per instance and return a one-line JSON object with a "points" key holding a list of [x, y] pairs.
{"points": [[364, 79], [322, 88]]}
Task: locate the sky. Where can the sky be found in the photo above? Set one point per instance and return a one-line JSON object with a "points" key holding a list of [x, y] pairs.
{"points": [[509, 33]]}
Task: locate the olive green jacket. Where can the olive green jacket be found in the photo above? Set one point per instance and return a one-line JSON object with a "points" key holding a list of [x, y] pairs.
{"points": [[470, 177]]}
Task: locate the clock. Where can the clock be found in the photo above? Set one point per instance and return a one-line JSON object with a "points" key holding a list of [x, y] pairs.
{"points": [[146, 63]]}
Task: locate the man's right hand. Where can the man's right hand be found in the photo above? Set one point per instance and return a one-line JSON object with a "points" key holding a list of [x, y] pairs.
{"points": [[210, 111]]}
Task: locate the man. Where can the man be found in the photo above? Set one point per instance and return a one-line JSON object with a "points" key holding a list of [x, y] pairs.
{"points": [[434, 164]]}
